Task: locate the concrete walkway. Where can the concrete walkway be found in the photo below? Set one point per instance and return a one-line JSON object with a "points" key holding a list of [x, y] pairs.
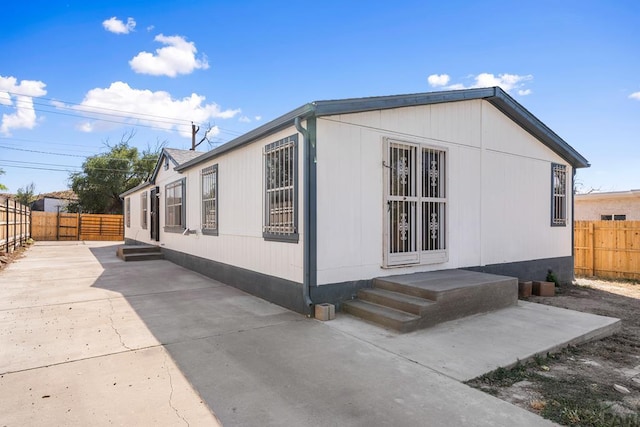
{"points": [[87, 339]]}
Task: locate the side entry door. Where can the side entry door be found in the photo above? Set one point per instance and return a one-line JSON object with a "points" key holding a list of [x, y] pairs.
{"points": [[155, 214]]}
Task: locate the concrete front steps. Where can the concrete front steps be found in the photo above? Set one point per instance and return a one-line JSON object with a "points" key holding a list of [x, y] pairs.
{"points": [[414, 301], [139, 252]]}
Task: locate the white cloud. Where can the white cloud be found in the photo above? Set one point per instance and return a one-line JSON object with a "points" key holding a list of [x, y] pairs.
{"points": [[508, 82], [635, 95], [23, 93], [177, 57], [114, 25], [436, 80], [258, 118], [5, 99], [150, 28], [138, 106], [244, 119]]}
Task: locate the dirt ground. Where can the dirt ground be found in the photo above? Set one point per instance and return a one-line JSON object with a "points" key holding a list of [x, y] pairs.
{"points": [[594, 384], [7, 257]]}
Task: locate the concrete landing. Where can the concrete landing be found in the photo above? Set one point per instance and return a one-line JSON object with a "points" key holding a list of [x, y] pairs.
{"points": [[444, 280], [437, 296], [139, 252], [466, 348]]}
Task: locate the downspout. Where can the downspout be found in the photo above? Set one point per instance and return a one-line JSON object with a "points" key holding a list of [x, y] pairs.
{"points": [[306, 211], [573, 223]]}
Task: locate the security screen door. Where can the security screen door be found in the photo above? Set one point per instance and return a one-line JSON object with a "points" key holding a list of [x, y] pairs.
{"points": [[415, 199]]}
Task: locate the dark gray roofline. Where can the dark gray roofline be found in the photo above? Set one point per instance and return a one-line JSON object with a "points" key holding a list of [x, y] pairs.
{"points": [[496, 96], [136, 188], [516, 112]]}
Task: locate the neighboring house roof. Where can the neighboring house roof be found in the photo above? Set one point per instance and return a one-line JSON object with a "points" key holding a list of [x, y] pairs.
{"points": [[496, 96], [609, 195], [62, 195], [175, 156]]}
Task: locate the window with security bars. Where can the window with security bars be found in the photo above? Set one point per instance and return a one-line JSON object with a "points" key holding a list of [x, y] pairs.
{"points": [[143, 210], [559, 195], [433, 199], [127, 211], [280, 190], [174, 202], [416, 200], [209, 181]]}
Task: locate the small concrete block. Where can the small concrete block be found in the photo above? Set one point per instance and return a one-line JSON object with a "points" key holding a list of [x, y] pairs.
{"points": [[524, 289], [544, 289], [325, 311]]}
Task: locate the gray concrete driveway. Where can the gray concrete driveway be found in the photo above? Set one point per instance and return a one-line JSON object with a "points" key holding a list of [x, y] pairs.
{"points": [[87, 339]]}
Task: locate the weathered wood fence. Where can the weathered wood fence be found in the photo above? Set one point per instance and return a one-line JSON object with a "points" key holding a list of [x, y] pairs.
{"points": [[14, 224], [607, 249], [74, 226]]}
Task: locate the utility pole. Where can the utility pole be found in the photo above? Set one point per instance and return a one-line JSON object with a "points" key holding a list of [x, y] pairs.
{"points": [[194, 131]]}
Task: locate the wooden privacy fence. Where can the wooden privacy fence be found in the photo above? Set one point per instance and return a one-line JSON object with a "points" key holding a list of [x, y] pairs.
{"points": [[73, 226], [14, 224], [608, 249]]}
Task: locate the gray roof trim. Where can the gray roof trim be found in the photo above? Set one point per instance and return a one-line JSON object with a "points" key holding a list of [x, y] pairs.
{"points": [[136, 188], [516, 112], [358, 105], [495, 95]]}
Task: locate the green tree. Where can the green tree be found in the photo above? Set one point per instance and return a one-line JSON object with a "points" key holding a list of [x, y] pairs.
{"points": [[26, 195], [2, 187], [105, 176]]}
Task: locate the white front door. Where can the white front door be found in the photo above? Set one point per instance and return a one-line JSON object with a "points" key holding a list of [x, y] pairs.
{"points": [[415, 204]]}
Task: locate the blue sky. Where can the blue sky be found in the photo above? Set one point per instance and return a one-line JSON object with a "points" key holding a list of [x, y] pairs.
{"points": [[75, 75]]}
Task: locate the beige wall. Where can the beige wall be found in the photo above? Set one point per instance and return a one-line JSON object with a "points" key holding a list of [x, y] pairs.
{"points": [[590, 207]]}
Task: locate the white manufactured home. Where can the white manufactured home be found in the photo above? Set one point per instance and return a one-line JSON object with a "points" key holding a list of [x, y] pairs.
{"points": [[319, 202]]}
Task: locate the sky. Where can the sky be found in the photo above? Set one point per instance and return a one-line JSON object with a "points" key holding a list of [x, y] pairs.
{"points": [[77, 76]]}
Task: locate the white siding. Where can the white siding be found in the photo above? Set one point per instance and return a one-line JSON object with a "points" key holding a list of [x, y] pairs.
{"points": [[135, 231], [240, 214], [499, 185]]}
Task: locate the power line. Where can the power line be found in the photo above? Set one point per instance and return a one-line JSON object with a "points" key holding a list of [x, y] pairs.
{"points": [[64, 154], [66, 105], [124, 114], [43, 152], [40, 141], [19, 162], [36, 168]]}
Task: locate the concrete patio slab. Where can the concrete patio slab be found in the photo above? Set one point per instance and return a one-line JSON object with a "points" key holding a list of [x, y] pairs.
{"points": [[307, 373], [175, 342], [143, 387], [469, 347], [52, 334]]}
